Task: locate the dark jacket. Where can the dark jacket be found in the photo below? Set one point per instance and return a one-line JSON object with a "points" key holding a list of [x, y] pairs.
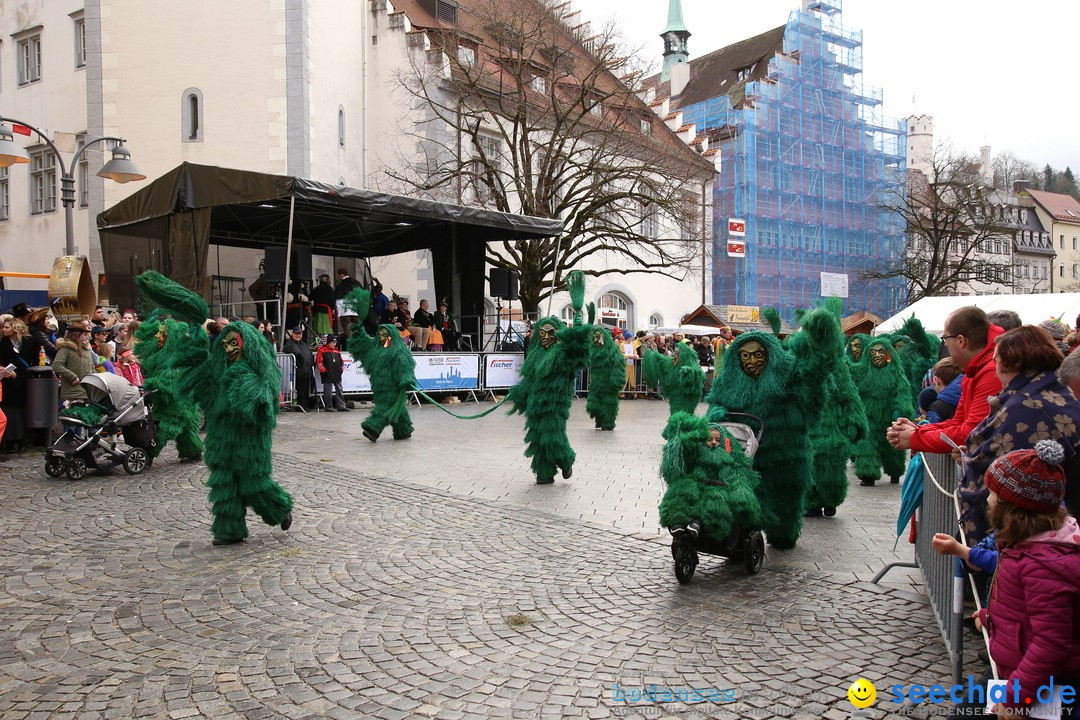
{"points": [[397, 318], [322, 295], [330, 364], [305, 361], [422, 318], [14, 388], [345, 287], [1031, 408], [30, 346]]}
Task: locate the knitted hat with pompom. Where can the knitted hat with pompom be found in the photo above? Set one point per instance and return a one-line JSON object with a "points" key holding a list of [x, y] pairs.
{"points": [[1030, 479]]}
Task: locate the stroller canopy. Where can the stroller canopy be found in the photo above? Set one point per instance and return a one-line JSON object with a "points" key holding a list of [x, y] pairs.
{"points": [[110, 390]]}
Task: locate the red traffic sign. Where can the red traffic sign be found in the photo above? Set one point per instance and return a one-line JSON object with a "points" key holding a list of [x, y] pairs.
{"points": [[736, 227], [736, 248]]}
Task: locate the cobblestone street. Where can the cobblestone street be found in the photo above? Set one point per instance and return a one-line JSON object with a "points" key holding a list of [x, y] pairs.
{"points": [[433, 578]]}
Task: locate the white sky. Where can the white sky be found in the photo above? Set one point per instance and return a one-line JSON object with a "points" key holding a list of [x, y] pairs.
{"points": [[995, 72]]}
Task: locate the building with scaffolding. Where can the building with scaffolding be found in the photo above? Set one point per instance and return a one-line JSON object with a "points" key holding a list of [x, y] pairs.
{"points": [[805, 159]]}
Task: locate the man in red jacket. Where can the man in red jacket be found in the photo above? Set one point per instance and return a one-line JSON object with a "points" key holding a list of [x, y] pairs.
{"points": [[969, 337]]}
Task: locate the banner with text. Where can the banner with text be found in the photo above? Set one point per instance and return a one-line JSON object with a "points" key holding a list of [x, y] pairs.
{"points": [[502, 370], [447, 371]]}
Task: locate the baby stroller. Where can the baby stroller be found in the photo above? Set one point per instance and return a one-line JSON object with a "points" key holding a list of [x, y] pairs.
{"points": [[741, 544], [84, 446]]}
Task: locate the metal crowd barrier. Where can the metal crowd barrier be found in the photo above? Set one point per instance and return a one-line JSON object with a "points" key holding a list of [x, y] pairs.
{"points": [[287, 363], [943, 575]]}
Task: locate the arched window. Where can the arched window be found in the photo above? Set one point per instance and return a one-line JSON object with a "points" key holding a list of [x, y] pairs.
{"points": [[341, 126], [191, 115], [613, 309], [656, 320], [567, 314]]}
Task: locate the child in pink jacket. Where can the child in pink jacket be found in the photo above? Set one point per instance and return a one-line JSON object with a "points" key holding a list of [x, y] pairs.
{"points": [[1033, 615]]}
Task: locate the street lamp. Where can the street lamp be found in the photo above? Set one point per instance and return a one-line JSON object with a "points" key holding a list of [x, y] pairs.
{"points": [[119, 169]]}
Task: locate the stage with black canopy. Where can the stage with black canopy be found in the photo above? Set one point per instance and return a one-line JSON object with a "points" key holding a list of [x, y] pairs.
{"points": [[170, 224]]}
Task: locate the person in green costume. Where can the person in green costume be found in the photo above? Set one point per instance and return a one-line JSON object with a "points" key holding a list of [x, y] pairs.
{"points": [[855, 346], [711, 484], [237, 383], [391, 368], [545, 391], [167, 351], [680, 378], [607, 375], [783, 385], [886, 395], [919, 351]]}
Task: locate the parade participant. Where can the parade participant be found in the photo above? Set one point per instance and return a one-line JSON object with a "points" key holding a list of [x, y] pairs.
{"points": [[237, 383], [546, 389], [607, 374], [783, 385], [323, 304], [168, 351], [390, 366], [843, 425], [711, 484], [886, 394], [919, 352], [679, 377], [855, 346]]}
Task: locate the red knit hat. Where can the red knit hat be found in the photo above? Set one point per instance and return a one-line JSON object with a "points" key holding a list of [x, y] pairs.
{"points": [[1030, 479]]}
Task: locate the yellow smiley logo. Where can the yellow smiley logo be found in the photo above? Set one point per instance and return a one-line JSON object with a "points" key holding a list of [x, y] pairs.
{"points": [[862, 693]]}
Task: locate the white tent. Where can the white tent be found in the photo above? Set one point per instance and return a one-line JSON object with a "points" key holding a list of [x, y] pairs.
{"points": [[1033, 309]]}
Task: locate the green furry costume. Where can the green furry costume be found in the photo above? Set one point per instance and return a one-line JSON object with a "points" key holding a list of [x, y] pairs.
{"points": [[237, 383], [607, 376], [919, 353], [842, 426], [546, 388], [390, 365], [856, 346], [787, 394], [167, 352], [715, 486], [679, 378], [886, 395]]}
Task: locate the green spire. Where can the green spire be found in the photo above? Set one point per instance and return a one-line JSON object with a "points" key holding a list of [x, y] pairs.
{"points": [[674, 17]]}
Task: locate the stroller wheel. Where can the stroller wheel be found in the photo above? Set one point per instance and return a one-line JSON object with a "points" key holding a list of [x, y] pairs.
{"points": [[686, 559], [755, 552], [55, 466], [76, 469], [136, 461]]}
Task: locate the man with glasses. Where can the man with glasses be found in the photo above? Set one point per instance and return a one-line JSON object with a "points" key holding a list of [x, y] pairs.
{"points": [[969, 337]]}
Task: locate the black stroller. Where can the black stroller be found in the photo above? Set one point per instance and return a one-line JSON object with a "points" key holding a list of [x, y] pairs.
{"points": [[84, 446], [741, 544]]}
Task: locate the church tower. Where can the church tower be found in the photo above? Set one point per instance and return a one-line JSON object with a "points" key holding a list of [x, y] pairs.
{"points": [[675, 36]]}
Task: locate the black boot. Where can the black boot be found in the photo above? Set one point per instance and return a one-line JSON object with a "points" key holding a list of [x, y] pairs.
{"points": [[287, 522]]}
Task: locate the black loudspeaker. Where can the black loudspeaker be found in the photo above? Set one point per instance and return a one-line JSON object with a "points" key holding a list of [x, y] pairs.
{"points": [[504, 284], [511, 285], [274, 264], [498, 282]]}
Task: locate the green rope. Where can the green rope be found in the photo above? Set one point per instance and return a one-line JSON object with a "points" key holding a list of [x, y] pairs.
{"points": [[437, 404]]}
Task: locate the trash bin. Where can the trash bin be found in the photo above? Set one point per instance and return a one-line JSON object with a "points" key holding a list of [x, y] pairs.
{"points": [[42, 397]]}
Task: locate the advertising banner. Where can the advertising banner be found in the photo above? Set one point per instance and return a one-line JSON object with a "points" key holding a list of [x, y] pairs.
{"points": [[447, 371], [353, 379], [502, 370]]}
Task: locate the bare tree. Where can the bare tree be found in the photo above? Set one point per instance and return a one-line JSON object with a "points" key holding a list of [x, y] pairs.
{"points": [[1008, 168], [951, 229], [527, 114]]}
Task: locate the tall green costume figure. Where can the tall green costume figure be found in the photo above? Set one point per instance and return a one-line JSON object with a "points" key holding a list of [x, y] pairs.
{"points": [[390, 365], [237, 385], [679, 378], [919, 351], [712, 486], [546, 388], [784, 386], [607, 375], [886, 395], [856, 345], [167, 352]]}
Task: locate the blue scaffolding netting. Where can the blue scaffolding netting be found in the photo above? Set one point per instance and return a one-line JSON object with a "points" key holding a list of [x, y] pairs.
{"points": [[810, 165]]}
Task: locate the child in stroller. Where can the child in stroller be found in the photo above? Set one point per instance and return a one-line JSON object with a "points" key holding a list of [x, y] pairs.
{"points": [[91, 427], [711, 505]]}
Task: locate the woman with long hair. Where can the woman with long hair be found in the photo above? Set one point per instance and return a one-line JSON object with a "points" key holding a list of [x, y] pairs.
{"points": [[13, 333]]}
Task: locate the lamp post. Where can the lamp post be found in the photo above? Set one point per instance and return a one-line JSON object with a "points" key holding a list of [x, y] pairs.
{"points": [[119, 169]]}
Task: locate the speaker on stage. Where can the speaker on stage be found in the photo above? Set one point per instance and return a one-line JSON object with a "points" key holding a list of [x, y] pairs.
{"points": [[511, 285], [498, 281], [274, 263]]}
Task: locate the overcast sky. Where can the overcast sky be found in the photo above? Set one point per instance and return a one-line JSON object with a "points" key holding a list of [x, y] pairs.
{"points": [[994, 72]]}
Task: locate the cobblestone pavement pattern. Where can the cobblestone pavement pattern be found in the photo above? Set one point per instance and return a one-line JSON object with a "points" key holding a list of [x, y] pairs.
{"points": [[432, 578]]}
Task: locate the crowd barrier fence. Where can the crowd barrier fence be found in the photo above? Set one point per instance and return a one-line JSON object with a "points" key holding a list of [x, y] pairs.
{"points": [[943, 575]]}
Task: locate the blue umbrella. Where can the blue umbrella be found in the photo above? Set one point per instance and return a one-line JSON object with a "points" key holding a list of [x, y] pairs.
{"points": [[911, 493]]}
